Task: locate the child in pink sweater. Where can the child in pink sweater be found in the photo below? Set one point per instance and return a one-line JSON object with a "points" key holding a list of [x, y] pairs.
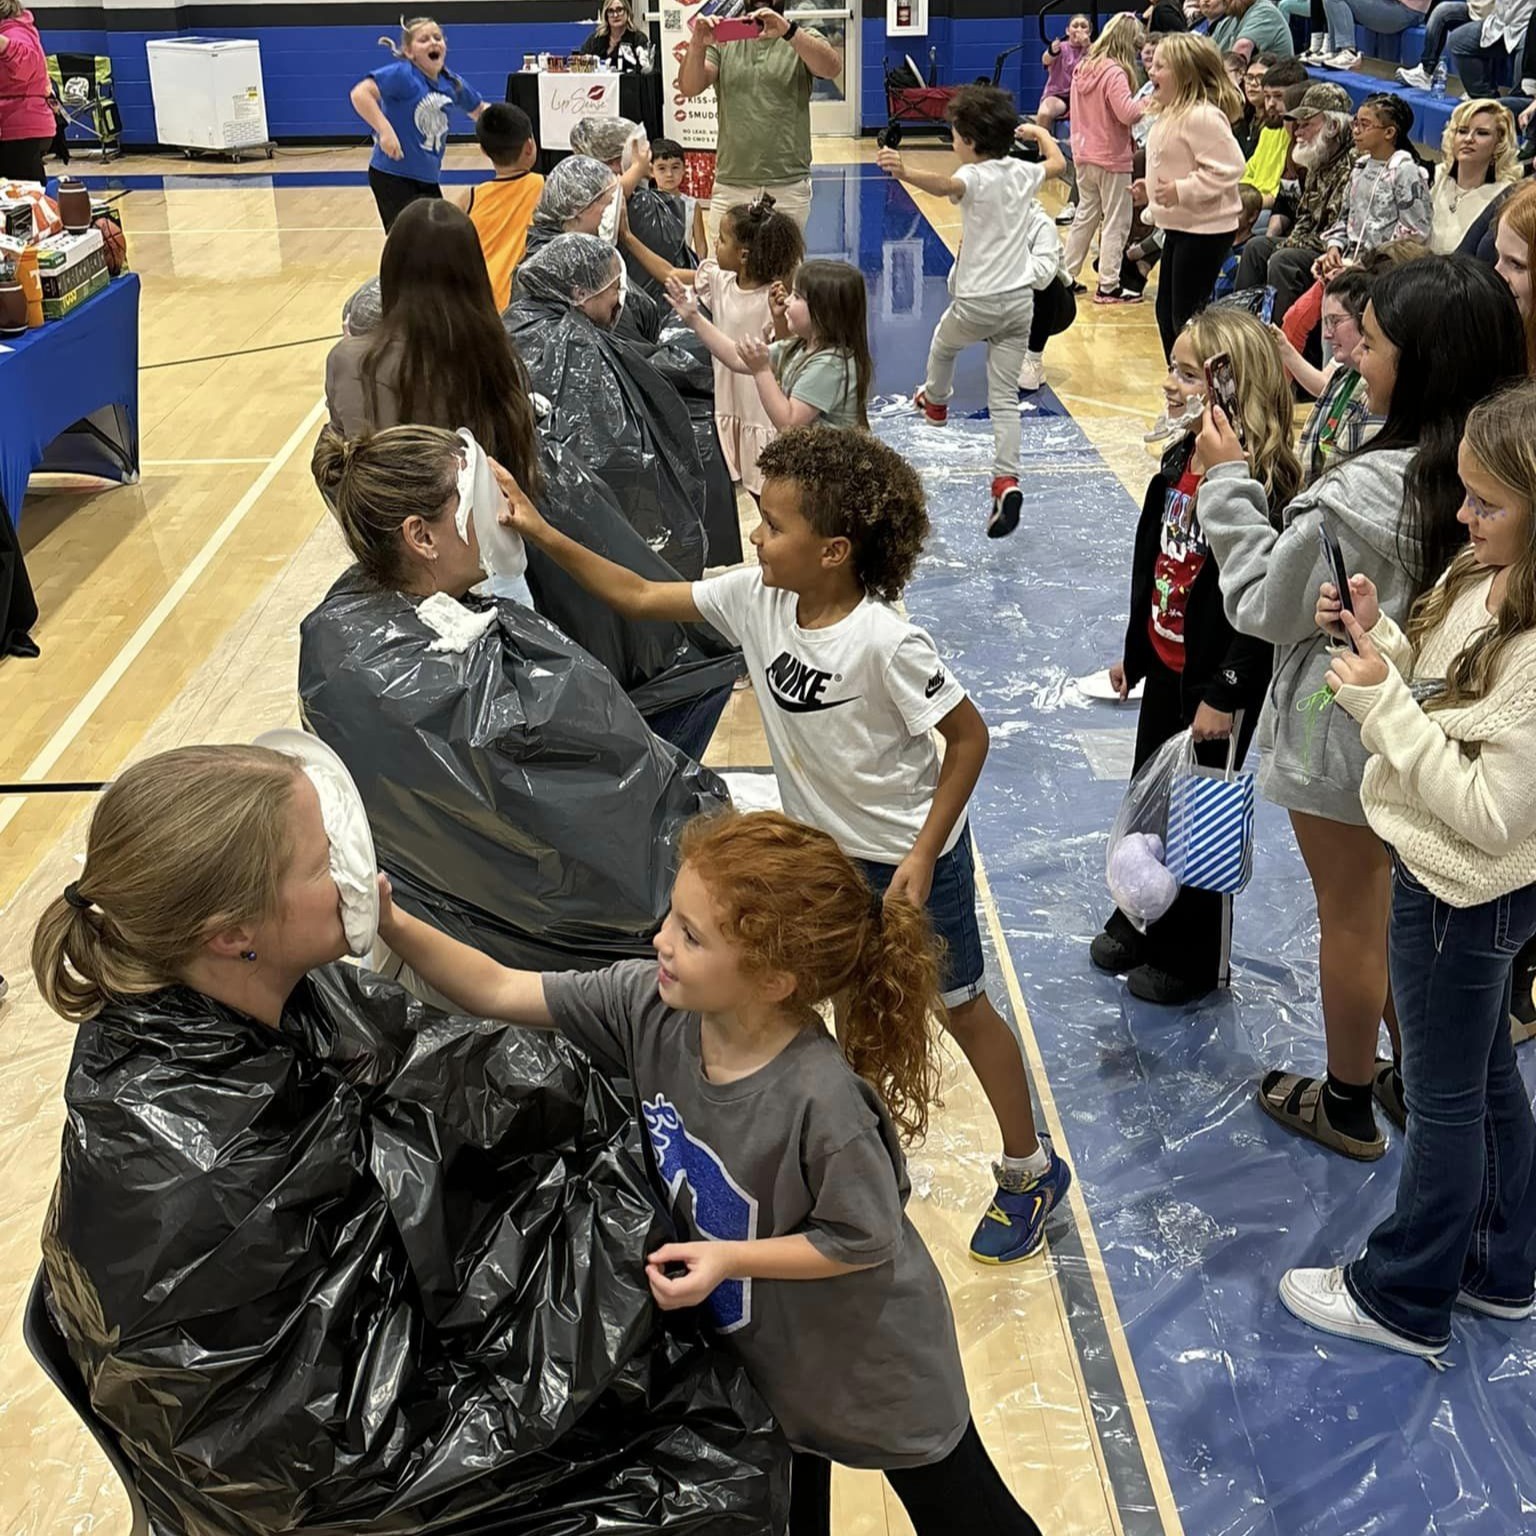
{"points": [[1061, 58], [1103, 110], [1194, 165]]}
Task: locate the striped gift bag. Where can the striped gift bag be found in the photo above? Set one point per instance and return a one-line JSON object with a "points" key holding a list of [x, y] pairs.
{"points": [[1210, 826]]}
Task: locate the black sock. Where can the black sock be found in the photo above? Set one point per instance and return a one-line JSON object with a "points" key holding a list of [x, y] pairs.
{"points": [[1349, 1108]]}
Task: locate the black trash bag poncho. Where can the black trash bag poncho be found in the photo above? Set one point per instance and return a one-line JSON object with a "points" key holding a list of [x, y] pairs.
{"points": [[517, 799], [569, 190], [683, 359], [659, 221], [660, 665], [626, 422], [380, 1270]]}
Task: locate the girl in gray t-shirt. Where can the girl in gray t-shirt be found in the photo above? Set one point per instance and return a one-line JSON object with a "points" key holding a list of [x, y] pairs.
{"points": [[780, 1149]]}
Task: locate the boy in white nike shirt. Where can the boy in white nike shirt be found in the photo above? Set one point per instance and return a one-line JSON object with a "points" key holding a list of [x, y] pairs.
{"points": [[851, 693]]}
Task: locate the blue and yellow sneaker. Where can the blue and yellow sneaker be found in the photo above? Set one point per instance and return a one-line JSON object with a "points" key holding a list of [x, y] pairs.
{"points": [[1014, 1226]]}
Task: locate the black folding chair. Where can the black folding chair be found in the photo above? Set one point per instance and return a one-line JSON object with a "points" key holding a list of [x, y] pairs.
{"points": [[48, 1348]]}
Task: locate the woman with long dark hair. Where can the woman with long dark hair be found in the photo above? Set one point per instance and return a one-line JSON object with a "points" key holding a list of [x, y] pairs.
{"points": [[1392, 506], [440, 357]]}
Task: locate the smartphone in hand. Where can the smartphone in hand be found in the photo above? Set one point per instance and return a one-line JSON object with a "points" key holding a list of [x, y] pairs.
{"points": [[1221, 389], [889, 137], [1338, 572]]}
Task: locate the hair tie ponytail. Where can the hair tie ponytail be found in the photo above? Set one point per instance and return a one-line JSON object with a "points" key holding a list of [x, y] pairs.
{"points": [[392, 45], [75, 899]]}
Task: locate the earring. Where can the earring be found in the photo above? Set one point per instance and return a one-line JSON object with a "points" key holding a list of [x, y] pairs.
{"points": [[248, 955]]}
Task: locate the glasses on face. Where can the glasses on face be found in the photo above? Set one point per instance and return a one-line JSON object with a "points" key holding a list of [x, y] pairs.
{"points": [[1331, 323]]}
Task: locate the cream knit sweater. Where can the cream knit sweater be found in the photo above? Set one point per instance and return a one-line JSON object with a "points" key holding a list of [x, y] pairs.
{"points": [[1453, 791]]}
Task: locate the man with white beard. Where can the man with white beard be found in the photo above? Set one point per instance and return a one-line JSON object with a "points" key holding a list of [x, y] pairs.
{"points": [[1322, 152]]}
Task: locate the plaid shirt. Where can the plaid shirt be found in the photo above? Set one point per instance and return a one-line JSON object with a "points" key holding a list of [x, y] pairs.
{"points": [[1348, 424]]}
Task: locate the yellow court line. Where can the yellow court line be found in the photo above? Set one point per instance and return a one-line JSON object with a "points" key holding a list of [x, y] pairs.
{"points": [[1136, 1403], [72, 724], [1157, 1475]]}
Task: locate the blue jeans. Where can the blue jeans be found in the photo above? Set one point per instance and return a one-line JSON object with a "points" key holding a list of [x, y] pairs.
{"points": [[952, 911], [1448, 14], [691, 725], [1471, 63], [1466, 1197], [1384, 16]]}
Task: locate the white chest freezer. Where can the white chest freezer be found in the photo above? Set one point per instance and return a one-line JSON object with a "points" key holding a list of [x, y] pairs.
{"points": [[207, 92]]}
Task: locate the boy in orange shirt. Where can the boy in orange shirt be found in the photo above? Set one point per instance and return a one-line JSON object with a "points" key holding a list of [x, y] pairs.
{"points": [[502, 209]]}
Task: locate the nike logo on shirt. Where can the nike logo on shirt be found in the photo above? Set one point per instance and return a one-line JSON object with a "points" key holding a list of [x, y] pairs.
{"points": [[799, 688]]}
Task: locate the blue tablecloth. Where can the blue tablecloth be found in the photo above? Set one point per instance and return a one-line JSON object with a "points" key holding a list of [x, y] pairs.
{"points": [[69, 395]]}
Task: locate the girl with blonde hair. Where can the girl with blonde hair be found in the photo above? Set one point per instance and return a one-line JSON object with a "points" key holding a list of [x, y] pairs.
{"points": [[1104, 110], [1391, 504], [406, 104], [1447, 711], [1199, 672], [1194, 166]]}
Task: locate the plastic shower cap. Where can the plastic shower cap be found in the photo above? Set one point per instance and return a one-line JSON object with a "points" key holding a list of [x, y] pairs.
{"points": [[603, 138], [570, 268], [574, 184]]}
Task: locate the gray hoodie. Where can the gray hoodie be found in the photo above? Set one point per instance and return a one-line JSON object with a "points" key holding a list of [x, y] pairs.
{"points": [[1313, 757]]}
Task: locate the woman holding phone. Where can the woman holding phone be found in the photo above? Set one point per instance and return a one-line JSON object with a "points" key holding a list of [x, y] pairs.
{"points": [[1391, 505]]}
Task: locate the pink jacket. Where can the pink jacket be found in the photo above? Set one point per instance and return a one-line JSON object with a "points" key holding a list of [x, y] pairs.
{"points": [[1196, 151], [24, 109], [1102, 114]]}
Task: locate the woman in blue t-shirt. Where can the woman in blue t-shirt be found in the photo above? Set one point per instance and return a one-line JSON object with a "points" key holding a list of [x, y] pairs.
{"points": [[406, 104]]}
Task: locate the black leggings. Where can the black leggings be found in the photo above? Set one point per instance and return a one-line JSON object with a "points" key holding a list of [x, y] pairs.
{"points": [[22, 159], [1191, 265], [394, 194], [963, 1495], [1055, 310]]}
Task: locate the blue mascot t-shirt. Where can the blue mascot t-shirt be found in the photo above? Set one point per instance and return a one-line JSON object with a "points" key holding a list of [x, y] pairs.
{"points": [[417, 109]]}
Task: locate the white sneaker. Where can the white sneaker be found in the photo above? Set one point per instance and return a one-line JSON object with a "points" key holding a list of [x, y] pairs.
{"points": [[1510, 1313], [1528, 87], [1319, 1297], [1317, 48], [1345, 58], [1417, 77], [1032, 374]]}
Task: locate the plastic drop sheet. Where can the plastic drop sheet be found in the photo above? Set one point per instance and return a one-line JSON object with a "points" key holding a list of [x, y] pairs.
{"points": [[627, 423], [1198, 1201], [381, 1269], [517, 798], [659, 664]]}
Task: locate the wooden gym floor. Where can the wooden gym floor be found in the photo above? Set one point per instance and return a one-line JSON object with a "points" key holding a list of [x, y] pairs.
{"points": [[170, 615]]}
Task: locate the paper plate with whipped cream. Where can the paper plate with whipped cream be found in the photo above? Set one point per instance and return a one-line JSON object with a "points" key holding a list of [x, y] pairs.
{"points": [[354, 866]]}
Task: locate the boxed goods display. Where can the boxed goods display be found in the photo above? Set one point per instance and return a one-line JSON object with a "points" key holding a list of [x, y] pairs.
{"points": [[73, 268]]}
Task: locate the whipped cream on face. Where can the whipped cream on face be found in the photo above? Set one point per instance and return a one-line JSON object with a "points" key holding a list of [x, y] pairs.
{"points": [[353, 865], [456, 627], [502, 553]]}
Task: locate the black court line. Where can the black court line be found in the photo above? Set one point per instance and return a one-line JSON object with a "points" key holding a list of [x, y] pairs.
{"points": [[56, 787]]}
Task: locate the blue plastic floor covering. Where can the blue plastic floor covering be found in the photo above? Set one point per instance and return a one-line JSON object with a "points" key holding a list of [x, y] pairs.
{"points": [[1199, 1202]]}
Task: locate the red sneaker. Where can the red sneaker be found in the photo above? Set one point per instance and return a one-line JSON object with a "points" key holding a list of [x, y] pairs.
{"points": [[937, 415], [1007, 504]]}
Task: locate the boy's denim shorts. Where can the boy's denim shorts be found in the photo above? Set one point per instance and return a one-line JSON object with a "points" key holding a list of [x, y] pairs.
{"points": [[952, 911]]}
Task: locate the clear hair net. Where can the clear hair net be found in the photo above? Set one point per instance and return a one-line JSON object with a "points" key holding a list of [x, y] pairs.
{"points": [[574, 184], [570, 268], [603, 138]]}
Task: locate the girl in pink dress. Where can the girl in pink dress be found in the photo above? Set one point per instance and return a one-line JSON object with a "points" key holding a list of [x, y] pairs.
{"points": [[745, 288]]}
